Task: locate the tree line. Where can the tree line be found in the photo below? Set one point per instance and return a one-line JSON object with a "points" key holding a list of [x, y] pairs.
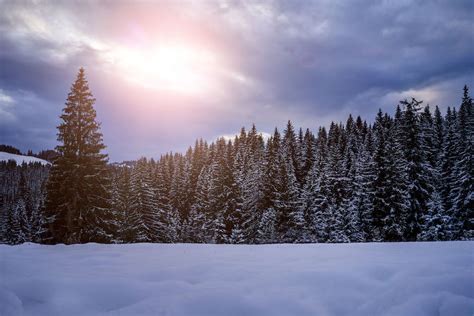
{"points": [[405, 177], [48, 154]]}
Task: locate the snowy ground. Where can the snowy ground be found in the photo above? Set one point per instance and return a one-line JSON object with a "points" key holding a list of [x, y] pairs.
{"points": [[182, 279], [20, 158]]}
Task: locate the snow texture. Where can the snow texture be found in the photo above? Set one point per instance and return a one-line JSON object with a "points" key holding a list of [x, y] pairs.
{"points": [[184, 279], [21, 159]]}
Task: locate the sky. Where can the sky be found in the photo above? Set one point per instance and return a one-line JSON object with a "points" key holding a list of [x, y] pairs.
{"points": [[165, 73]]}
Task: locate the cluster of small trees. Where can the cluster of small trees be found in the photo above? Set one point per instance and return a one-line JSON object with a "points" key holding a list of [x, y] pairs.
{"points": [[403, 178]]}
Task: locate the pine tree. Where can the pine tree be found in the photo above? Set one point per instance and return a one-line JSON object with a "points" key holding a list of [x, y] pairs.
{"points": [[438, 134], [317, 188], [447, 169], [308, 153], [352, 169], [179, 188], [143, 202], [462, 194], [390, 203], [291, 150], [199, 220], [168, 224], [15, 223], [435, 220], [77, 201], [224, 204], [128, 220], [266, 233], [290, 217], [286, 204], [248, 162], [267, 225], [418, 172], [338, 183], [361, 203], [314, 203], [428, 140], [25, 211]]}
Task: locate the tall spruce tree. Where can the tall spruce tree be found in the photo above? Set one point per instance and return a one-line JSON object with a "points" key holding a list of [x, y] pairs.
{"points": [[77, 190], [249, 180], [462, 194], [390, 205], [448, 158], [267, 227], [417, 169]]}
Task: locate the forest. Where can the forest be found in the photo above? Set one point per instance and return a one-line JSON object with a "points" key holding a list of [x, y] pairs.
{"points": [[402, 177]]}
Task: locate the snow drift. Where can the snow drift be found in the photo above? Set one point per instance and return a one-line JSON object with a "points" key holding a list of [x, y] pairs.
{"points": [[186, 279]]}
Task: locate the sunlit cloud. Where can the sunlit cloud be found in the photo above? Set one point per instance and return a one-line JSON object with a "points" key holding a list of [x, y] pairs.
{"points": [[428, 94], [6, 104], [174, 67], [153, 61], [55, 40]]}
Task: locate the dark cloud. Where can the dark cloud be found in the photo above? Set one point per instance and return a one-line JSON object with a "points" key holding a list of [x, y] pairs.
{"points": [[309, 61]]}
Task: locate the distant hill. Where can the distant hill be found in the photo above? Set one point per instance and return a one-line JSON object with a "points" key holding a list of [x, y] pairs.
{"points": [[4, 156]]}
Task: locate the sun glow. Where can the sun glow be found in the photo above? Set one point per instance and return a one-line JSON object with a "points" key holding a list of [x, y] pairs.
{"points": [[179, 68]]}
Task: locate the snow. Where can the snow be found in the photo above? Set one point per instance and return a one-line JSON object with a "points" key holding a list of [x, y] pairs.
{"points": [[20, 158], [190, 279]]}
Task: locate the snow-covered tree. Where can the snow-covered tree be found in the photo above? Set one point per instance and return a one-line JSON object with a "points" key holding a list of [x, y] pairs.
{"points": [[78, 185]]}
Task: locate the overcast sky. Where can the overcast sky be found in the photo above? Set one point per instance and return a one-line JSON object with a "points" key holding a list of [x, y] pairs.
{"points": [[167, 72]]}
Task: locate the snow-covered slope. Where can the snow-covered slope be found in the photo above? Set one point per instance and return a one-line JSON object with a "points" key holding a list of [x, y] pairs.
{"points": [[20, 159], [182, 279]]}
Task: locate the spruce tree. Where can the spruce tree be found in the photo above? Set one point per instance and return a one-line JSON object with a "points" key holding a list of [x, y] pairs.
{"points": [[249, 179], [266, 233], [308, 152], [462, 194], [77, 190], [290, 217], [198, 223], [127, 219], [143, 202], [438, 134], [361, 203], [168, 219], [267, 203], [448, 158], [338, 183], [390, 202], [417, 169], [319, 211]]}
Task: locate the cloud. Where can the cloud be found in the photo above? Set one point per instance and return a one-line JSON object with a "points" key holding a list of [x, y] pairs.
{"points": [[308, 61], [27, 123], [6, 103]]}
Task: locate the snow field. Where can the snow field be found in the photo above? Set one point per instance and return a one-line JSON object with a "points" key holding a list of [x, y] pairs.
{"points": [[195, 279]]}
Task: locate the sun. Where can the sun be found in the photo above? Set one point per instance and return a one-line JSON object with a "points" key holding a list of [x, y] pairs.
{"points": [[172, 67]]}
